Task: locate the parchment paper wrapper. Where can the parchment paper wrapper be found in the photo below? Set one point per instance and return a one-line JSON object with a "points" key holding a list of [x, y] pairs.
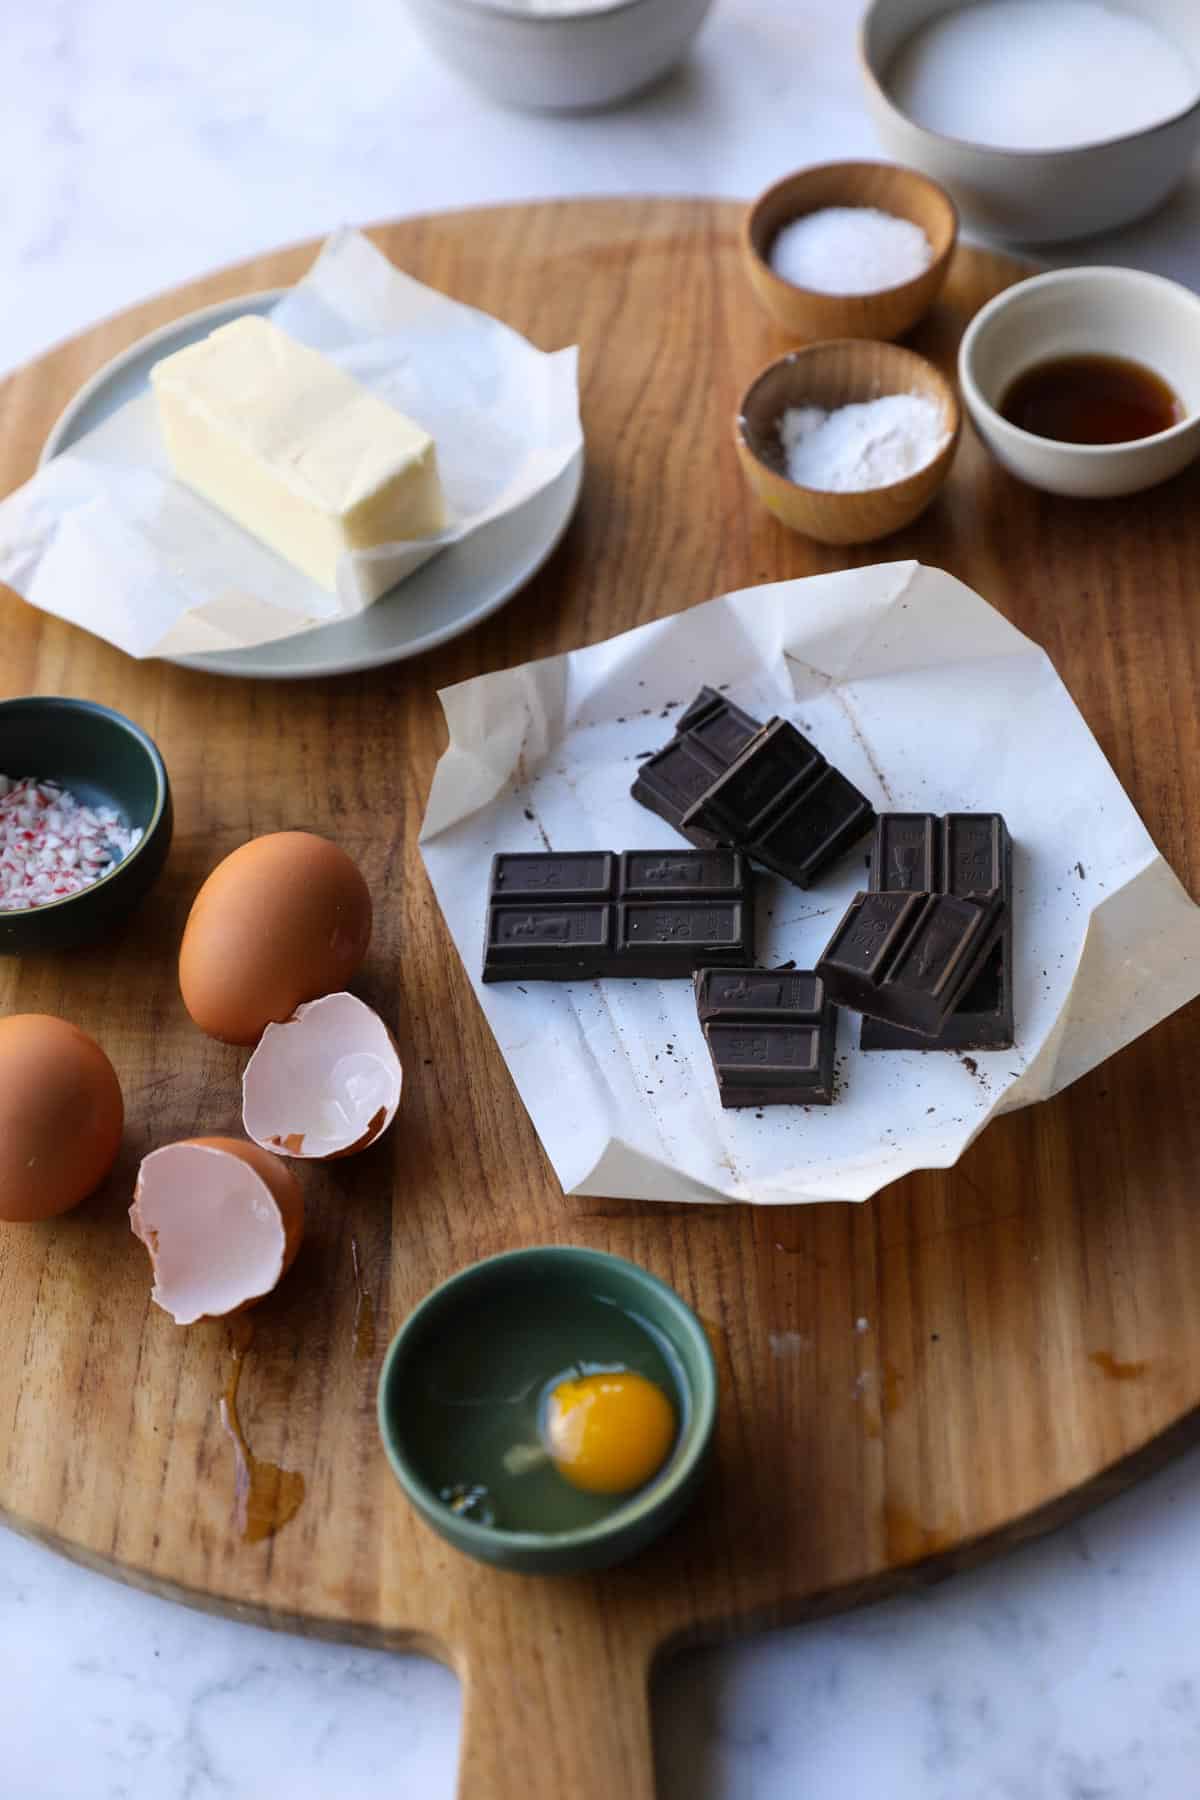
{"points": [[930, 701], [103, 537]]}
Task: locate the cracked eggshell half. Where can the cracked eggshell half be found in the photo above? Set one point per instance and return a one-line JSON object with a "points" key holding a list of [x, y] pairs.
{"points": [[325, 1084], [222, 1222]]}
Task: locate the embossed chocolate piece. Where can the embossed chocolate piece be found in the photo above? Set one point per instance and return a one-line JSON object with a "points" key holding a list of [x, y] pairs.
{"points": [[908, 957], [771, 1034], [710, 734], [784, 805], [574, 915], [964, 854]]}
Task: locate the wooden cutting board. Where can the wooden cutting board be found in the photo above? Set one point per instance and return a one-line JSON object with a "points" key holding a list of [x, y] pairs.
{"points": [[1032, 1339]]}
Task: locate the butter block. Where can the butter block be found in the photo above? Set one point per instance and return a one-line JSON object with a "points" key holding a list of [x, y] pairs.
{"points": [[293, 448]]}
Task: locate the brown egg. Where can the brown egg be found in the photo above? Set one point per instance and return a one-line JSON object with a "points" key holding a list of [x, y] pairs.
{"points": [[61, 1116], [284, 919], [222, 1221]]}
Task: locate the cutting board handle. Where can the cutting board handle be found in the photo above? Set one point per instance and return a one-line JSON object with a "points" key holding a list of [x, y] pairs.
{"points": [[555, 1708]]}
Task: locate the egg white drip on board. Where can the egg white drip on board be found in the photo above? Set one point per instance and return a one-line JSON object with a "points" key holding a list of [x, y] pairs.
{"points": [[324, 1082], [213, 1229]]}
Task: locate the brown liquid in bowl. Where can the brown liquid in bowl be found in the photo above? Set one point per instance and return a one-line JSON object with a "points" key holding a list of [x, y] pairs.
{"points": [[1091, 400]]}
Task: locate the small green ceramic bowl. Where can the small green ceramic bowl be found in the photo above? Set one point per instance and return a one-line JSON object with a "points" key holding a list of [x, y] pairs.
{"points": [[105, 760], [540, 1291]]}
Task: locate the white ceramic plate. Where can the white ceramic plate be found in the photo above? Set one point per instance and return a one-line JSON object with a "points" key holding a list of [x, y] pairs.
{"points": [[447, 597]]}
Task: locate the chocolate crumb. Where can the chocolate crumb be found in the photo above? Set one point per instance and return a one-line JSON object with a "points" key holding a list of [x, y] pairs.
{"points": [[970, 1065], [1081, 871], [789, 964], [529, 815]]}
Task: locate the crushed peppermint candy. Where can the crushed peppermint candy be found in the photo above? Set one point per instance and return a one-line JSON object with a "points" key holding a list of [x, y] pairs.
{"points": [[52, 845]]}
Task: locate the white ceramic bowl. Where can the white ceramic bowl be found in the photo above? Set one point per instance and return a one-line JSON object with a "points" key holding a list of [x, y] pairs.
{"points": [[1035, 196], [560, 61], [1109, 312]]}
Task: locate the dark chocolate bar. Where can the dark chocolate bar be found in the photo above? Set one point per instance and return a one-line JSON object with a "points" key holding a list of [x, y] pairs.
{"points": [[771, 1034], [784, 805], [573, 915], [708, 737], [910, 957], [964, 854]]}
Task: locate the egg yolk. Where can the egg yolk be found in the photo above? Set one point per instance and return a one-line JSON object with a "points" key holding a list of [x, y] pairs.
{"points": [[608, 1434]]}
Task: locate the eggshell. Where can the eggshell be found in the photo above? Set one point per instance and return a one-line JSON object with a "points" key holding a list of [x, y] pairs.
{"points": [[283, 919], [222, 1222], [61, 1116], [325, 1084]]}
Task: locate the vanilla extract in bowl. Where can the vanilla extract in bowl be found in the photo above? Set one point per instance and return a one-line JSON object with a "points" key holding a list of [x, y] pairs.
{"points": [[1091, 400]]}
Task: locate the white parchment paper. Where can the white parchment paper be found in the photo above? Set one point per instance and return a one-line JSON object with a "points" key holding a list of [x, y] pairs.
{"points": [[103, 537], [930, 701]]}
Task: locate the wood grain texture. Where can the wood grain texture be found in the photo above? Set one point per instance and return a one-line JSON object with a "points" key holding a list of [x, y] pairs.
{"points": [[977, 1405]]}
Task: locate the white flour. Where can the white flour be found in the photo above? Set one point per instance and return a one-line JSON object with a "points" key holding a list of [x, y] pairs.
{"points": [[1040, 74], [850, 250], [861, 446]]}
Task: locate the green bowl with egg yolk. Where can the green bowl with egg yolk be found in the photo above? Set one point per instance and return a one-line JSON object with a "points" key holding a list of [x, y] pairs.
{"points": [[459, 1385]]}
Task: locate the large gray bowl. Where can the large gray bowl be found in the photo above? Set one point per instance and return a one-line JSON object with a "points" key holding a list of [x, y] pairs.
{"points": [[560, 61], [1035, 196]]}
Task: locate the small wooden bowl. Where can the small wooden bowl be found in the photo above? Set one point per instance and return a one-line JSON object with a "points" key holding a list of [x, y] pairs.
{"points": [[830, 375], [886, 313]]}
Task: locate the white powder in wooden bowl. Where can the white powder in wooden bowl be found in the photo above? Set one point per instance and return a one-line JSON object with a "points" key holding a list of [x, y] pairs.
{"points": [[1040, 74], [850, 250], [866, 445]]}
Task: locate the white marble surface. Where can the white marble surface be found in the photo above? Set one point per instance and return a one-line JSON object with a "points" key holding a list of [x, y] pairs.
{"points": [[143, 144]]}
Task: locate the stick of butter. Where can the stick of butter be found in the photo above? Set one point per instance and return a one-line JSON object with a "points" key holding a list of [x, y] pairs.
{"points": [[294, 449]]}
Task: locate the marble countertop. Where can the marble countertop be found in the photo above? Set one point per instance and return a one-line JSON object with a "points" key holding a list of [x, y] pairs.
{"points": [[144, 145]]}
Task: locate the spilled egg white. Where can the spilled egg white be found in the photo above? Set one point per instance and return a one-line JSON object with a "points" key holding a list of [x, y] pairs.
{"points": [[324, 1084]]}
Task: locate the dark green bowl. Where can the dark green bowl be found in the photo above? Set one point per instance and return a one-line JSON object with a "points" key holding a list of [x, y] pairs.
{"points": [[105, 760], [528, 1277]]}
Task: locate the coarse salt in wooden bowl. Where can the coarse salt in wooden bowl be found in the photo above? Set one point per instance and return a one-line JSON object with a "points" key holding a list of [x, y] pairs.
{"points": [[842, 373], [886, 312]]}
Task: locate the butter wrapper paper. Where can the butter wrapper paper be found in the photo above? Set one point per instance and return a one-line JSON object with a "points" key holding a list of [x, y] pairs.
{"points": [[104, 537]]}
